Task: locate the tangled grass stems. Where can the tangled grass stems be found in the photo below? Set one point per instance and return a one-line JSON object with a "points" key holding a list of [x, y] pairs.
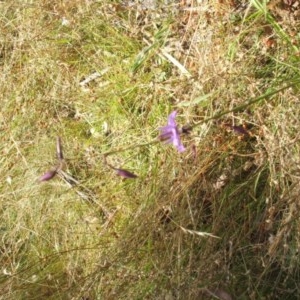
{"points": [[144, 234]]}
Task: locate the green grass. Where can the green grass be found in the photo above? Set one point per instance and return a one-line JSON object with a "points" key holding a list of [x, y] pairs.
{"points": [[219, 220]]}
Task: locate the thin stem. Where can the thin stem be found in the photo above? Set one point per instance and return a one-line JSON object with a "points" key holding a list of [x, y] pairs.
{"points": [[105, 154], [243, 106]]}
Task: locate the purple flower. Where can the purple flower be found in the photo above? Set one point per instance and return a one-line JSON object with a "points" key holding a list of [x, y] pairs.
{"points": [[125, 173], [48, 175], [170, 133]]}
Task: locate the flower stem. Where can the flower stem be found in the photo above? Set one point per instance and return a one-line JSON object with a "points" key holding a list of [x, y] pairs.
{"points": [[243, 106], [105, 154]]}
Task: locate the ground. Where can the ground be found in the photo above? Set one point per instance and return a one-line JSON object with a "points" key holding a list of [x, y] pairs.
{"points": [[86, 87]]}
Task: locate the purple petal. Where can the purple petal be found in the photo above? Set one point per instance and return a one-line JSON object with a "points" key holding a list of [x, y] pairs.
{"points": [[180, 148], [166, 134], [166, 129], [125, 173], [170, 133], [171, 119], [48, 175], [176, 142]]}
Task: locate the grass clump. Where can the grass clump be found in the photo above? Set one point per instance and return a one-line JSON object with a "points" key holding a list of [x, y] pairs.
{"points": [[219, 220]]}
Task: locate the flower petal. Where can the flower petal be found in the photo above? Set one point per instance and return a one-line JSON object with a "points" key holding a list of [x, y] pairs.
{"points": [[48, 175], [180, 148], [171, 118], [170, 133], [176, 140], [125, 173], [166, 135]]}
